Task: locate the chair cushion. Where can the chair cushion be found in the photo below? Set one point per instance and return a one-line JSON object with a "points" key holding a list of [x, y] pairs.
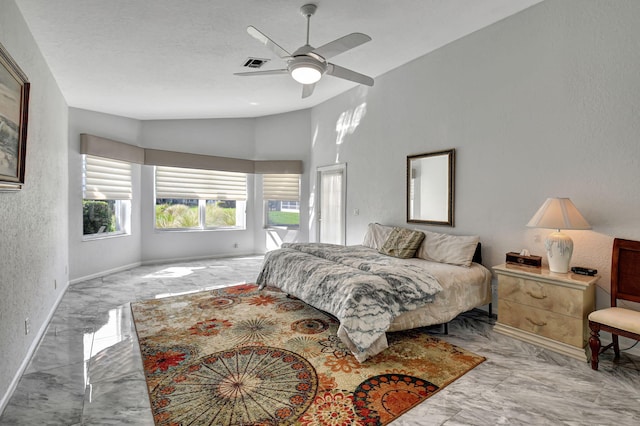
{"points": [[621, 318]]}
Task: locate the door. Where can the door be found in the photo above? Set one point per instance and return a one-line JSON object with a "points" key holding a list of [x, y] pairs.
{"points": [[332, 205]]}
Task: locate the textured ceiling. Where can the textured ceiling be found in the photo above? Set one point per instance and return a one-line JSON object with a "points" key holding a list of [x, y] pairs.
{"points": [[163, 59]]}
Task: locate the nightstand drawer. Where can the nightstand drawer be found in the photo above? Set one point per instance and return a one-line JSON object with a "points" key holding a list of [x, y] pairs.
{"points": [[542, 322], [553, 298], [545, 308]]}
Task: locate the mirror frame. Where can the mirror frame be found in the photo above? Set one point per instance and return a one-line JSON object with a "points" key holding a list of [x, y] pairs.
{"points": [[450, 154]]}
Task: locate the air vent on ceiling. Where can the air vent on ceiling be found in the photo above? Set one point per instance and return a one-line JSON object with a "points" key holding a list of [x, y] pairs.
{"points": [[255, 62]]}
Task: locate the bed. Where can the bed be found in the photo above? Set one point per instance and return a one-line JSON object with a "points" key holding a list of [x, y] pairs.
{"points": [[380, 286]]}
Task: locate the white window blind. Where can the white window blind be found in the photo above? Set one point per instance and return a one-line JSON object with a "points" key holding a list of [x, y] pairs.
{"points": [[106, 179], [177, 182], [281, 187]]}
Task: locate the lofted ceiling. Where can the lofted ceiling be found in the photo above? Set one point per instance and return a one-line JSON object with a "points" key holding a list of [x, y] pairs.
{"points": [[168, 59]]}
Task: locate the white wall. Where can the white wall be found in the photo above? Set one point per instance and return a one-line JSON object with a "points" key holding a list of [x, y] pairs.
{"points": [[100, 256], [278, 137], [224, 138], [542, 104], [33, 221], [232, 138], [283, 137]]}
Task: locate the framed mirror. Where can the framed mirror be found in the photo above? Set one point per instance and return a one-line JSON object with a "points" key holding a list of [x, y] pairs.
{"points": [[430, 187]]}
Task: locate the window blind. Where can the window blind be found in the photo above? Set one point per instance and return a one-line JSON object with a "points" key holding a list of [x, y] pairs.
{"points": [[106, 179], [282, 187], [182, 183]]}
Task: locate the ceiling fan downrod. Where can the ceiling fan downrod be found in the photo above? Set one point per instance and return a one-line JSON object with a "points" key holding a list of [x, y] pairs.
{"points": [[307, 11]]}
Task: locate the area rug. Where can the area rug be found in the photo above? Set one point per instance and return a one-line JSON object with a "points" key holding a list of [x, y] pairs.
{"points": [[239, 356]]}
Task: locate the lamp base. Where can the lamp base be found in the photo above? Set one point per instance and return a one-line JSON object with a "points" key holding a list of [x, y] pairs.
{"points": [[559, 251]]}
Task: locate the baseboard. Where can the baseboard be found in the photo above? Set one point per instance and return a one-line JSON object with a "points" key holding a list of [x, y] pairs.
{"points": [[32, 350], [104, 273], [159, 262], [188, 259]]}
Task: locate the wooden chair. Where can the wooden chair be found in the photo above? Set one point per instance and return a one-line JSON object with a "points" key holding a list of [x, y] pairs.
{"points": [[625, 285]]}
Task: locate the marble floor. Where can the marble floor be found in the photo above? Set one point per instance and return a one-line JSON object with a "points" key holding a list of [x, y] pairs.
{"points": [[88, 371]]}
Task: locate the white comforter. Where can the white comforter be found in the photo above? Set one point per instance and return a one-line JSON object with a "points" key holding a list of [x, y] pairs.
{"points": [[364, 289]]}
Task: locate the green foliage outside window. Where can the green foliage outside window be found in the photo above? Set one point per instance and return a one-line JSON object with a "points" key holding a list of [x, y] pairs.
{"points": [[174, 214], [219, 215], [283, 218], [98, 216]]}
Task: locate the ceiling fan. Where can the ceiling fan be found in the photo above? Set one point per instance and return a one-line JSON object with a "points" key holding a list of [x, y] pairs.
{"points": [[307, 64]]}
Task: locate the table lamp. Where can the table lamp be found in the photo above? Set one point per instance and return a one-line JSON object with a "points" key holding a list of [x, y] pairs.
{"points": [[558, 213]]}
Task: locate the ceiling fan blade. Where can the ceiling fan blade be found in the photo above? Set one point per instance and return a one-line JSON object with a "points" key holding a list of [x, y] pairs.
{"points": [[342, 44], [347, 74], [307, 90], [271, 45], [264, 72]]}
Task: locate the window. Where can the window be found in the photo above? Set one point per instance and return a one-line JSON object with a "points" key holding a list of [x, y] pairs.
{"points": [[106, 193], [192, 199], [281, 195]]}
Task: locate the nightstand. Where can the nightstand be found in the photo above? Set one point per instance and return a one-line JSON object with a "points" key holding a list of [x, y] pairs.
{"points": [[546, 308]]}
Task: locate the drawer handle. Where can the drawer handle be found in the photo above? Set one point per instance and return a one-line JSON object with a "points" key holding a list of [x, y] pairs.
{"points": [[539, 324], [542, 296]]}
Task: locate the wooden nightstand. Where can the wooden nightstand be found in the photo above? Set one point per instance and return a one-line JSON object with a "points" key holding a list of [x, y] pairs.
{"points": [[546, 308]]}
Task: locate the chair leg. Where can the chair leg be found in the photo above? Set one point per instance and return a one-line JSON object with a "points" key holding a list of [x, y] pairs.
{"points": [[616, 346], [594, 344]]}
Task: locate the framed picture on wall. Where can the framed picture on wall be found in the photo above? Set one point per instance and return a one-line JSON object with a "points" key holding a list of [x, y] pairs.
{"points": [[14, 110]]}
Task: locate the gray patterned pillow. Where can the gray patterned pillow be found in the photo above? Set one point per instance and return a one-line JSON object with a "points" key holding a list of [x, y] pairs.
{"points": [[402, 243]]}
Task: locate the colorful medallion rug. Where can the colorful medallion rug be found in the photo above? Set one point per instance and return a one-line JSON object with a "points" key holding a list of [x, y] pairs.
{"points": [[239, 356]]}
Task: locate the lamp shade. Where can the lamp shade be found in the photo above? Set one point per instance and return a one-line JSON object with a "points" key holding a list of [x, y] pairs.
{"points": [[558, 213]]}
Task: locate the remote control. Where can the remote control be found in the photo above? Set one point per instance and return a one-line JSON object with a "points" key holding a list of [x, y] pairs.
{"points": [[584, 271]]}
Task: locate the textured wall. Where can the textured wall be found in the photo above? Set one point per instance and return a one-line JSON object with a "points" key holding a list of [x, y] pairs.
{"points": [[33, 221], [542, 104]]}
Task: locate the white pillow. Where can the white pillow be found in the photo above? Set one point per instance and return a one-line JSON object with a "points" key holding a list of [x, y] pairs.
{"points": [[376, 235], [445, 248]]}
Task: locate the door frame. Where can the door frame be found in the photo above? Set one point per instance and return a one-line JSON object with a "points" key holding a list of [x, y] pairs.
{"points": [[342, 168]]}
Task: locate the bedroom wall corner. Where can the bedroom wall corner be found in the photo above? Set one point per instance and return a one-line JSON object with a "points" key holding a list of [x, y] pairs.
{"points": [[283, 137], [97, 257], [232, 137]]}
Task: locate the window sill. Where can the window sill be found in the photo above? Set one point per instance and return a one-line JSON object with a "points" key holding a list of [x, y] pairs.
{"points": [[104, 236], [171, 230], [281, 227]]}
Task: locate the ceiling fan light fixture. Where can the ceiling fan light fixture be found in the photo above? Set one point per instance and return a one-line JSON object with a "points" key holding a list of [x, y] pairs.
{"points": [[307, 64], [305, 75], [305, 70]]}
